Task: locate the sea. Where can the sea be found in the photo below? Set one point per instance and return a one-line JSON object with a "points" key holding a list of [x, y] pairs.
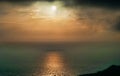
{"points": [[57, 59]]}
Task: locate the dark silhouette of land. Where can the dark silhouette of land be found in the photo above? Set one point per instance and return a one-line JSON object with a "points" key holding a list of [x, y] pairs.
{"points": [[114, 70]]}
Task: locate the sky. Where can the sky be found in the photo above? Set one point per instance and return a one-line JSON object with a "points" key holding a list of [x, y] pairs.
{"points": [[59, 20]]}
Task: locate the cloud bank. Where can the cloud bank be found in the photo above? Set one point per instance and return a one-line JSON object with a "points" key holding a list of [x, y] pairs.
{"points": [[87, 20]]}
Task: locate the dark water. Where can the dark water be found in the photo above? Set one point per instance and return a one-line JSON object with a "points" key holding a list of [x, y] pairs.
{"points": [[57, 59]]}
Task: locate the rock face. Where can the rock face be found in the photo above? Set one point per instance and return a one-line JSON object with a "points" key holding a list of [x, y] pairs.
{"points": [[111, 71]]}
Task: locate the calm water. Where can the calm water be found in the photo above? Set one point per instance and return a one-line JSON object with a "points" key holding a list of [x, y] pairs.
{"points": [[57, 59]]}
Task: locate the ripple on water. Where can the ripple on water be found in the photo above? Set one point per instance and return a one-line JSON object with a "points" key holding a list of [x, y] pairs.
{"points": [[53, 65]]}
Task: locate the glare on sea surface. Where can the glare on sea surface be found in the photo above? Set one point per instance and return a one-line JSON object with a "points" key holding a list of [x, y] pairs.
{"points": [[54, 65]]}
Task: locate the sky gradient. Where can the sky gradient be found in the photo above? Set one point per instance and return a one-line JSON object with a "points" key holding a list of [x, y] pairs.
{"points": [[70, 20]]}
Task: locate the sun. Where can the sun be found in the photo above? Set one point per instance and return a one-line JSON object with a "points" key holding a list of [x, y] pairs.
{"points": [[53, 8], [52, 11]]}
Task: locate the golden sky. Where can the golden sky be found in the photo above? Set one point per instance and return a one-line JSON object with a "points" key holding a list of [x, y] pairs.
{"points": [[53, 21]]}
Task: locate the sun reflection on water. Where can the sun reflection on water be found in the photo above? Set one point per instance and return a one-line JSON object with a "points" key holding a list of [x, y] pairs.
{"points": [[54, 65]]}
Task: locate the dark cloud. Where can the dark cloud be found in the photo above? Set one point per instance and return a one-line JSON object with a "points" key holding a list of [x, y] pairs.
{"points": [[98, 3], [69, 3], [117, 26], [24, 2]]}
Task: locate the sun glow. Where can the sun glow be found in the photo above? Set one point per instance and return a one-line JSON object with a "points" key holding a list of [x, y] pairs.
{"points": [[54, 8], [51, 11]]}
